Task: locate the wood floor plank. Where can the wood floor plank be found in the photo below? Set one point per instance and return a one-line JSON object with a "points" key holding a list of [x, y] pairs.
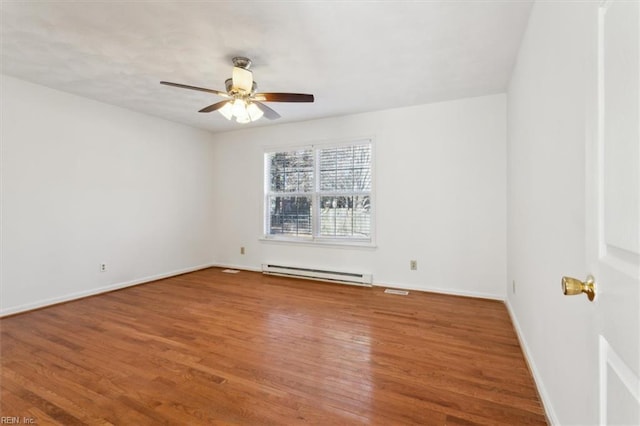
{"points": [[248, 349]]}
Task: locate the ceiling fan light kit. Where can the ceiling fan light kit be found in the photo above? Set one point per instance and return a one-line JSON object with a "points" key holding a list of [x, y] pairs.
{"points": [[243, 111], [243, 102]]}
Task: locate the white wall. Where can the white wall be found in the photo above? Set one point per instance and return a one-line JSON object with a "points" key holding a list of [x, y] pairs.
{"points": [[440, 193], [85, 183], [547, 104]]}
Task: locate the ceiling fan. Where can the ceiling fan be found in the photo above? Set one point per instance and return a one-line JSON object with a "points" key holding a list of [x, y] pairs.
{"points": [[242, 100]]}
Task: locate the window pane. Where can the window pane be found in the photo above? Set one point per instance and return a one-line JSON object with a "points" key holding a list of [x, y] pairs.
{"points": [[344, 180], [327, 180], [290, 216], [346, 169], [345, 216], [305, 180], [362, 180], [291, 171], [362, 167], [344, 157]]}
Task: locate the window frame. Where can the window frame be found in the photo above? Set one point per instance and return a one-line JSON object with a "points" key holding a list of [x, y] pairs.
{"points": [[315, 238]]}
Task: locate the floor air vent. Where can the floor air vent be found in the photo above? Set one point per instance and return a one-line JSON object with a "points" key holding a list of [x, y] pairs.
{"points": [[398, 292], [319, 274]]}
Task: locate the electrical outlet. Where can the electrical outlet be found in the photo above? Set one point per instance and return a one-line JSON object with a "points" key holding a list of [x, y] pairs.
{"points": [[513, 286], [103, 267], [413, 265], [241, 250]]}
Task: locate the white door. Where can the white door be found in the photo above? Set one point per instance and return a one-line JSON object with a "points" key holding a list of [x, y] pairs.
{"points": [[613, 211]]}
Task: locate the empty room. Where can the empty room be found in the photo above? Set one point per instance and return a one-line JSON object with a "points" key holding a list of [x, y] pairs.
{"points": [[320, 212]]}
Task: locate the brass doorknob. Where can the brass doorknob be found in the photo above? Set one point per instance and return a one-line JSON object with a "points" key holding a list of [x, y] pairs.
{"points": [[573, 286]]}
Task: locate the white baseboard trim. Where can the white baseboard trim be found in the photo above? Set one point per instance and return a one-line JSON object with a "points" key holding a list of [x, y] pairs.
{"points": [[95, 291], [451, 292], [238, 267], [392, 285], [542, 391]]}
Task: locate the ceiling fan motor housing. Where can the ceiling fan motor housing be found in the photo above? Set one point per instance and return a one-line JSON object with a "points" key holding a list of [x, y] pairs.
{"points": [[228, 85]]}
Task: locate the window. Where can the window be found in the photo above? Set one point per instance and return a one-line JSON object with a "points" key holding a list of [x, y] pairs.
{"points": [[320, 193]]}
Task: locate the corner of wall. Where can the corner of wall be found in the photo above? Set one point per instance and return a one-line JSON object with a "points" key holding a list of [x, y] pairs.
{"points": [[545, 399]]}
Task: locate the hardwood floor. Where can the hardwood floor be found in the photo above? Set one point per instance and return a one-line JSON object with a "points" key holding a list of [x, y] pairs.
{"points": [[215, 348]]}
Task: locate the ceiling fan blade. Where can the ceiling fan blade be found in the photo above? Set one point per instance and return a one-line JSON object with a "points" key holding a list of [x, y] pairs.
{"points": [[201, 89], [269, 113], [283, 97], [214, 107], [242, 79]]}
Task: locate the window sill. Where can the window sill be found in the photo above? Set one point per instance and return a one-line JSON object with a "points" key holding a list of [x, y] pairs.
{"points": [[321, 243]]}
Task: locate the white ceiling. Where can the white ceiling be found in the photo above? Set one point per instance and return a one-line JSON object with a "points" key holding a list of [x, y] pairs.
{"points": [[354, 56]]}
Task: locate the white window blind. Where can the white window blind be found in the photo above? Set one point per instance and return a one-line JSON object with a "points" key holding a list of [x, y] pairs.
{"points": [[319, 193]]}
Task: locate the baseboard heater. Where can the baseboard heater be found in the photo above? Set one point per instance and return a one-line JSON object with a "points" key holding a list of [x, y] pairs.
{"points": [[353, 278]]}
